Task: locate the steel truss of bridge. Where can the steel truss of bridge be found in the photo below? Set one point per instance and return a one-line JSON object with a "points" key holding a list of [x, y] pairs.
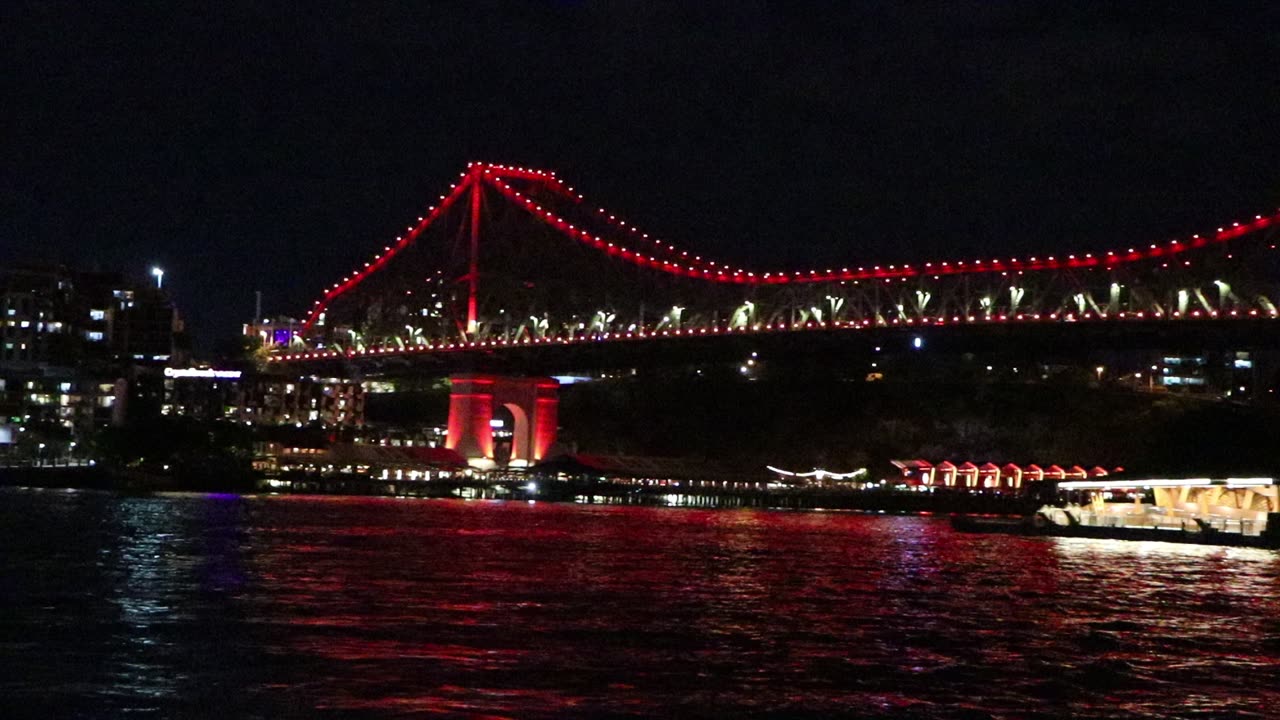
{"points": [[512, 260]]}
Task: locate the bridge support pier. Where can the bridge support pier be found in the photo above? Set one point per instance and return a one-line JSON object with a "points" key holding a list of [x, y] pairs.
{"points": [[534, 405]]}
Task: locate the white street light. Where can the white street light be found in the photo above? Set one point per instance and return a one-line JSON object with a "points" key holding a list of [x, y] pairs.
{"points": [[158, 274]]}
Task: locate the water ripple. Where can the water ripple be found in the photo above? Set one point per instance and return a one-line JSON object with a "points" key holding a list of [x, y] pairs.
{"points": [[191, 605]]}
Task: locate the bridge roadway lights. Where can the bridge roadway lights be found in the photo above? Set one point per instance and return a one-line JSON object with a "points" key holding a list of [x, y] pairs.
{"points": [[534, 405]]}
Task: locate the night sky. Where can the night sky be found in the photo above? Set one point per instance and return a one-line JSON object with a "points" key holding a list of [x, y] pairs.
{"points": [[262, 149]]}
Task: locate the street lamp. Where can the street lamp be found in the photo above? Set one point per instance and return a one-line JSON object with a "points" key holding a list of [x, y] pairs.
{"points": [[1099, 370], [158, 274]]}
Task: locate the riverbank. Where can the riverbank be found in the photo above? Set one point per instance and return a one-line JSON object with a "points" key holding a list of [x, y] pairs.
{"points": [[523, 489]]}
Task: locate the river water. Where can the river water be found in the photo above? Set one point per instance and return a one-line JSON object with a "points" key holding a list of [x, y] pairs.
{"points": [[261, 606]]}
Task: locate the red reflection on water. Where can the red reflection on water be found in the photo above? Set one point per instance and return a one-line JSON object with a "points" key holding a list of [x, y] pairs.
{"points": [[517, 610]]}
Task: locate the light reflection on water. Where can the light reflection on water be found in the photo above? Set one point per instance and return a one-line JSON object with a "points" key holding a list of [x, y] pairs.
{"points": [[192, 605]]}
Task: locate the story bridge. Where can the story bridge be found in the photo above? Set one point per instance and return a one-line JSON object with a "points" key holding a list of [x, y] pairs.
{"points": [[511, 272]]}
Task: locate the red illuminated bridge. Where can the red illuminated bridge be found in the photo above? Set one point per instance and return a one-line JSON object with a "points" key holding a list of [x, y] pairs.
{"points": [[513, 273], [515, 260]]}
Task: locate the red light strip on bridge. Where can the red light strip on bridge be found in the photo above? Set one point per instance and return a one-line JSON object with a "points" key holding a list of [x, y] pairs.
{"points": [[402, 242], [550, 218], [546, 177], [697, 267], [492, 172], [573, 232]]}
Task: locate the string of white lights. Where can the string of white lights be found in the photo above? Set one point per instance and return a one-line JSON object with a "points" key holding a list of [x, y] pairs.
{"points": [[819, 473]]}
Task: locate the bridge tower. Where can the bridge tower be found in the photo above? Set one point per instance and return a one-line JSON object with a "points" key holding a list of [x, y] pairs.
{"points": [[534, 405]]}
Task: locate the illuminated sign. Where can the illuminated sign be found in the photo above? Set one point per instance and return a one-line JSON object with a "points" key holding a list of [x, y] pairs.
{"points": [[202, 373]]}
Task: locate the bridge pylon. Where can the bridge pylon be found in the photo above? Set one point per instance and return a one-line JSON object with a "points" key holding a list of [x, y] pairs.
{"points": [[534, 406]]}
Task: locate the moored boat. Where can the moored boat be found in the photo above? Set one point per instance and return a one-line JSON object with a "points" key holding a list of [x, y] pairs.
{"points": [[1236, 512]]}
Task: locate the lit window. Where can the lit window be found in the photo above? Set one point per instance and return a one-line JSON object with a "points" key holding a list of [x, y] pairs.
{"points": [[94, 336], [97, 314]]}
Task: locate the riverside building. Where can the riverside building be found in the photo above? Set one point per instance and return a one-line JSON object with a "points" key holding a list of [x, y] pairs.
{"points": [[70, 344]]}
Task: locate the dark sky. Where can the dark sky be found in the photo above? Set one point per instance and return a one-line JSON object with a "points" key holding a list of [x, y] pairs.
{"points": [[265, 149]]}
